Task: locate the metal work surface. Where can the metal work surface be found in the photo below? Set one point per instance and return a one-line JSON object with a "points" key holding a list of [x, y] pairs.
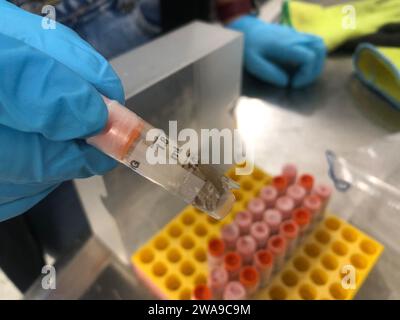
{"points": [[335, 113]]}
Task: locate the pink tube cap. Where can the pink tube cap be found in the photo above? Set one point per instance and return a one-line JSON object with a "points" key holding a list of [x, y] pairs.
{"points": [[312, 203], [285, 205], [269, 194], [297, 193], [234, 291], [230, 232], [289, 171], [246, 245], [277, 244], [217, 278], [323, 191], [273, 218], [259, 231], [257, 207]]}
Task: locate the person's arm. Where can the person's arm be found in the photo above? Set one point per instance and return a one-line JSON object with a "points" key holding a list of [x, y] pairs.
{"points": [[50, 100], [273, 53]]}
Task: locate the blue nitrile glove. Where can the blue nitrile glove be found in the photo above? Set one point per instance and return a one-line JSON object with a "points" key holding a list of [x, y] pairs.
{"points": [[49, 100], [278, 54]]}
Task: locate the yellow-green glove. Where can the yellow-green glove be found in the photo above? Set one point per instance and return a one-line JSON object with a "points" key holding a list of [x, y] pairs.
{"points": [[338, 23], [379, 69]]}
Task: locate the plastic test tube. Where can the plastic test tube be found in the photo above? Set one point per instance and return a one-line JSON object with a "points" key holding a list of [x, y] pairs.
{"points": [[297, 193], [233, 264], [314, 205], [234, 291], [129, 139], [289, 171], [273, 219], [285, 205], [260, 232], [303, 219], [215, 253], [250, 279], [246, 246], [281, 184], [277, 246], [290, 231], [257, 207], [324, 192], [244, 220], [201, 292], [217, 280], [307, 182], [263, 261], [269, 194], [229, 234]]}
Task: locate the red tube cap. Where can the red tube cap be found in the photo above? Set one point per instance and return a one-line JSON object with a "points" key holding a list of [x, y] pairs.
{"points": [[202, 292], [249, 276], [232, 261], [302, 216], [216, 247], [306, 181]]}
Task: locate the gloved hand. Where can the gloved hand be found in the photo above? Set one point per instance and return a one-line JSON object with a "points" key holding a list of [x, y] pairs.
{"points": [[49, 101], [278, 54]]}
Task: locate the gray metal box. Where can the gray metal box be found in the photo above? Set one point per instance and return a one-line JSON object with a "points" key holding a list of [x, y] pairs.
{"points": [[192, 75]]}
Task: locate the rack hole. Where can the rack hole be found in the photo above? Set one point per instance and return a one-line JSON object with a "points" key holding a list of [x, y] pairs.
{"points": [[290, 278], [312, 250], [200, 255], [277, 293], [188, 218], [173, 255], [338, 292], [161, 243], [339, 248], [322, 236], [332, 224], [368, 247], [146, 255], [185, 294], [159, 269], [301, 264], [172, 283], [307, 292], [246, 185], [349, 234], [200, 279], [359, 261], [329, 262], [200, 230], [319, 277], [187, 268], [187, 242], [174, 231]]}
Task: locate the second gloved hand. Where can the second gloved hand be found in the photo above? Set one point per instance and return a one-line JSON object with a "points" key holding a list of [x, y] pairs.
{"points": [[278, 54]]}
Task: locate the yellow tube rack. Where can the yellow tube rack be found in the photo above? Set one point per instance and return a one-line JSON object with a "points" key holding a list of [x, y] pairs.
{"points": [[175, 259]]}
